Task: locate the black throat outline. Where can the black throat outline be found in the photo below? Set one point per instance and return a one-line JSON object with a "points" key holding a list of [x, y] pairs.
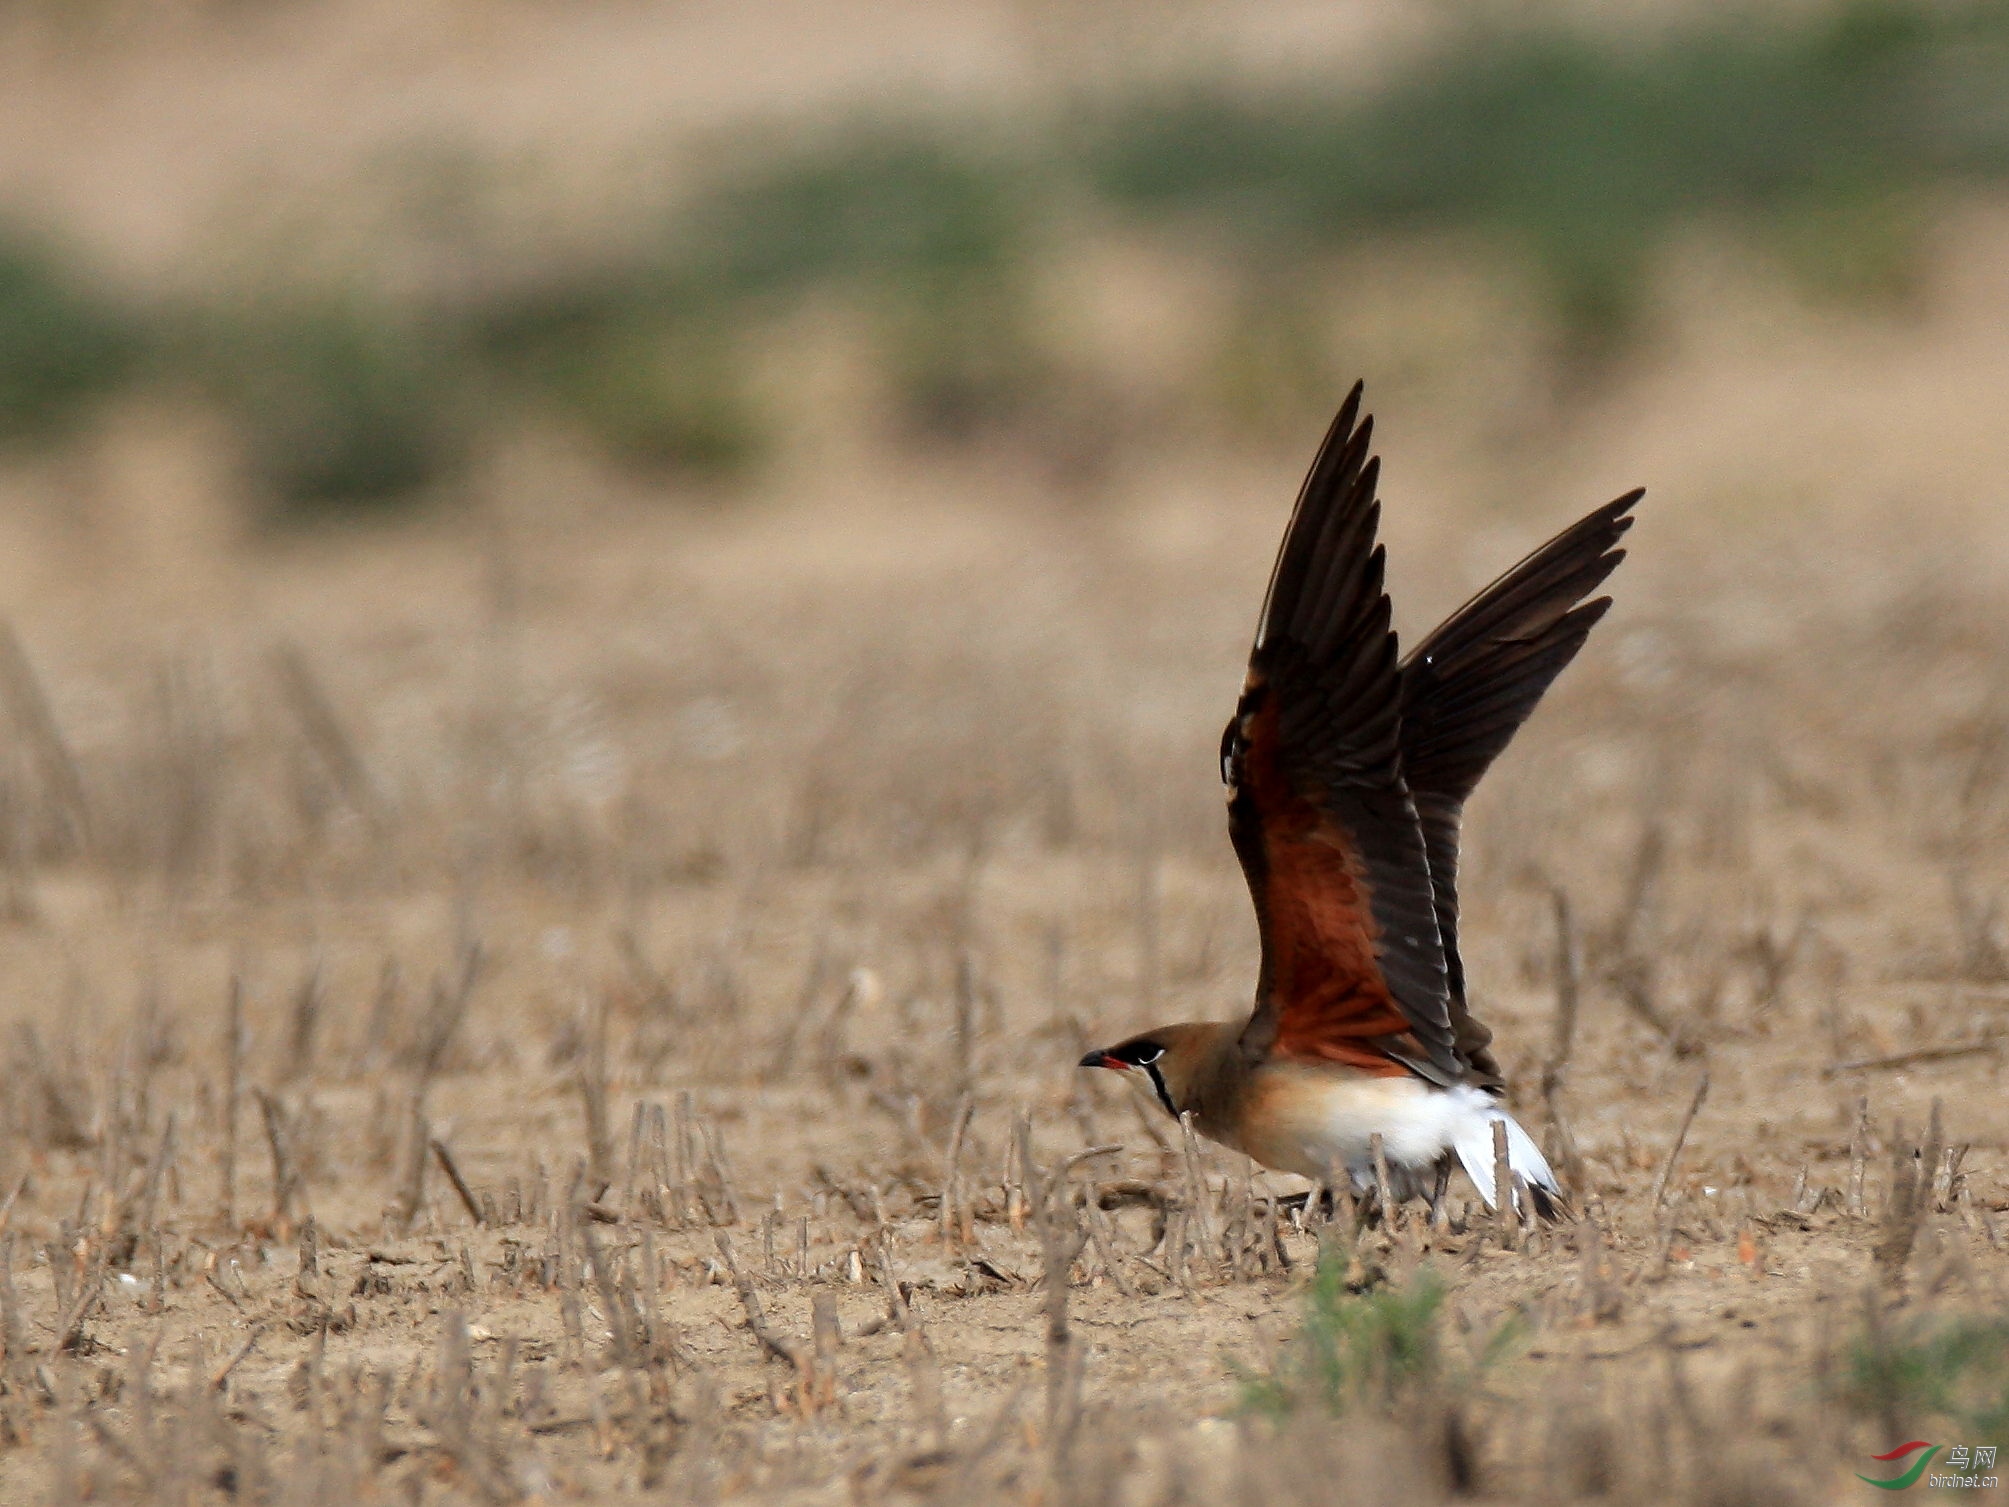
{"points": [[1158, 1082]]}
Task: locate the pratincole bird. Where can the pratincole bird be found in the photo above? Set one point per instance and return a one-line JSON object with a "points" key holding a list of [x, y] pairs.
{"points": [[1348, 769]]}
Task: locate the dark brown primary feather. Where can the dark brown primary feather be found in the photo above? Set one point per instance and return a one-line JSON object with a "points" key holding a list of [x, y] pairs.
{"points": [[1353, 966], [1468, 687]]}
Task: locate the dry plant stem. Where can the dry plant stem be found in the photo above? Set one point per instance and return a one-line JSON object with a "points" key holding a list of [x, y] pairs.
{"points": [[1680, 1139], [924, 1377], [450, 1416], [774, 1344], [963, 1037], [285, 1177], [11, 1333], [783, 1062], [964, 1110], [1028, 1169], [1017, 1200], [1646, 866], [306, 1020], [1990, 1043], [118, 1448], [962, 1485], [924, 1371], [1384, 1190], [325, 734], [727, 1209], [827, 1338], [446, 1164], [1201, 1228], [1506, 1224], [25, 699], [1945, 1178], [1633, 979], [446, 1008], [233, 1053], [1350, 1208], [593, 1095], [140, 1206], [1858, 1157], [1601, 1294], [620, 1315], [638, 1125], [862, 986], [7, 1208], [1061, 1241], [661, 1180], [90, 1291], [1910, 1170], [1663, 1246], [309, 1258], [1100, 1233], [684, 1145], [1148, 927], [412, 1191], [1562, 1040], [220, 1377]]}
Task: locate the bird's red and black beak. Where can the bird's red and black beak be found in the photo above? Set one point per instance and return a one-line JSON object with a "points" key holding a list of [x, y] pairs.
{"points": [[1139, 1054]]}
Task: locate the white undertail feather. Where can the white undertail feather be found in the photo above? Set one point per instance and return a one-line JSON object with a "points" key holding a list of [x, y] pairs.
{"points": [[1334, 1119], [1474, 1144]]}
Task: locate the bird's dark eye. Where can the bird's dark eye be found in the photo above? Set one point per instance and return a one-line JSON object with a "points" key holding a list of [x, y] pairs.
{"points": [[1141, 1054]]}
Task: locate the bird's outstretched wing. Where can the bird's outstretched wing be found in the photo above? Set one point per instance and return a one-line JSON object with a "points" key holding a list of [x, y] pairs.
{"points": [[1353, 966], [1468, 687]]}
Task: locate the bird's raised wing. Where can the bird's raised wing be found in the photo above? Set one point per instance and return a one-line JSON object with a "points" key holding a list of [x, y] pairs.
{"points": [[1353, 966], [1468, 687]]}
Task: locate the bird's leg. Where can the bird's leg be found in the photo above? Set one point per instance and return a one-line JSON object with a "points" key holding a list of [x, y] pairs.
{"points": [[1439, 1214]]}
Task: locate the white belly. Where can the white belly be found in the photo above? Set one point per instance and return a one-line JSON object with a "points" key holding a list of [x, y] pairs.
{"points": [[1321, 1121]]}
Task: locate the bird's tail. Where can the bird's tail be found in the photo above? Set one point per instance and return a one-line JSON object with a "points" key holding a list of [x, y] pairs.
{"points": [[1474, 1144]]}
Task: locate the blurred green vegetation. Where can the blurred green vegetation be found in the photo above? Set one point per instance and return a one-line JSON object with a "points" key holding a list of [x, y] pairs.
{"points": [[1827, 139], [655, 382], [1368, 1347], [1355, 1349], [1951, 1369], [342, 403], [1582, 155], [64, 344]]}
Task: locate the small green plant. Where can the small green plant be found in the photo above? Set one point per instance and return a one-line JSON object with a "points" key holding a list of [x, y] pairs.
{"points": [[1955, 1369], [1369, 1350]]}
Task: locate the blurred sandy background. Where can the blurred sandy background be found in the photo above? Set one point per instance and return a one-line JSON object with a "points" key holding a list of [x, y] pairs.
{"points": [[413, 225]]}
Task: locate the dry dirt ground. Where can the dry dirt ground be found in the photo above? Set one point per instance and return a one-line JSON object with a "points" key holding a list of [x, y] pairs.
{"points": [[716, 893]]}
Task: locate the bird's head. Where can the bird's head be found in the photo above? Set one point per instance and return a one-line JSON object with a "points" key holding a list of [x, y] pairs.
{"points": [[1172, 1059]]}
